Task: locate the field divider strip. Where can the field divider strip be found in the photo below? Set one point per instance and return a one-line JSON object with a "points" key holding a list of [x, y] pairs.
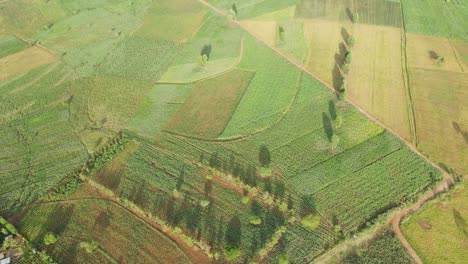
{"points": [[456, 56]]}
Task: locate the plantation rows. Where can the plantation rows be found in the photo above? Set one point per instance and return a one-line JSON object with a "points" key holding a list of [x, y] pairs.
{"points": [[360, 196]]}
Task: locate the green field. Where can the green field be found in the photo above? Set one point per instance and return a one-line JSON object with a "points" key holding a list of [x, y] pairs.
{"points": [[10, 45]]}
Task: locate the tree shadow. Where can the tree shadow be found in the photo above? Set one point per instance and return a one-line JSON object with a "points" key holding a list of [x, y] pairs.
{"points": [[180, 179], [345, 35], [206, 50], [102, 221], [433, 55], [327, 126], [233, 232], [457, 128], [349, 14], [460, 222], [208, 187], [332, 109], [339, 61], [264, 156]]}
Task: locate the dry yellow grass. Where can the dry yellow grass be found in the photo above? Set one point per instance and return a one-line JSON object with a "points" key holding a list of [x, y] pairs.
{"points": [[422, 52], [24, 61], [441, 113], [326, 47], [264, 29], [375, 81]]}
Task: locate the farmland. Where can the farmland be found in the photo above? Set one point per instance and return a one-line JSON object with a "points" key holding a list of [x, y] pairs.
{"points": [[212, 131], [438, 232]]}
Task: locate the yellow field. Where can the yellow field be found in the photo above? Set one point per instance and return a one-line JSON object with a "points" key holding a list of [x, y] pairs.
{"points": [[264, 29], [422, 52], [375, 81], [441, 114], [326, 48], [24, 61], [439, 232]]}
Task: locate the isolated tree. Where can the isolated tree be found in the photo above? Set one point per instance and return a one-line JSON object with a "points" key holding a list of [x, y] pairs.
{"points": [[342, 96], [281, 33], [89, 246], [440, 60], [355, 18], [345, 68], [334, 141], [233, 11], [264, 156], [202, 59]]}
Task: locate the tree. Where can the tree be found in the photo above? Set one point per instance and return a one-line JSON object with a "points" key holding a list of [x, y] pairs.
{"points": [[264, 156], [89, 246], [255, 220], [349, 57], [351, 41], [204, 203], [440, 60], [233, 11], [342, 96], [281, 33], [234, 8], [345, 68], [338, 121], [50, 238], [202, 59], [334, 141], [283, 258], [355, 18]]}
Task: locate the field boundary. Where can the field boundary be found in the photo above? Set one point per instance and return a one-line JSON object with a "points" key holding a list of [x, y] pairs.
{"points": [[456, 56]]}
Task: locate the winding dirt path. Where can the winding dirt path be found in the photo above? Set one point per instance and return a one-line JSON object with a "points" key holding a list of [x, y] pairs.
{"points": [[395, 222]]}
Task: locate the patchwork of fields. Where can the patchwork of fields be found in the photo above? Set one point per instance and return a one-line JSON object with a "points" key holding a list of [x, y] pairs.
{"points": [[142, 131]]}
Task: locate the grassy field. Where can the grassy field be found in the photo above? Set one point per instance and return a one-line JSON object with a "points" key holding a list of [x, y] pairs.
{"points": [[438, 232], [121, 237], [440, 114], [274, 79], [438, 18], [210, 105], [381, 91], [254, 8]]}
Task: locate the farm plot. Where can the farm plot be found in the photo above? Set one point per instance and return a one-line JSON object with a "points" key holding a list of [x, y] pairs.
{"points": [[209, 107], [376, 12], [285, 13], [172, 20], [113, 101], [385, 248], [424, 52], [292, 40], [375, 81], [12, 14], [24, 61], [263, 29], [362, 195], [326, 42], [438, 18], [253, 8], [441, 115], [10, 45], [170, 187], [270, 93], [157, 108], [120, 236], [438, 232], [139, 58]]}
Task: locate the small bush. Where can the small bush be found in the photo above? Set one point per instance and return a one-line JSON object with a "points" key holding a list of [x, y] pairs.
{"points": [[232, 252], [311, 221], [50, 238]]}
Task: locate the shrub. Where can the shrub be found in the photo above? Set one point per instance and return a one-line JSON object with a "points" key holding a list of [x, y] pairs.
{"points": [[245, 199], [283, 259], [232, 252], [89, 246], [50, 238], [311, 221], [255, 220]]}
